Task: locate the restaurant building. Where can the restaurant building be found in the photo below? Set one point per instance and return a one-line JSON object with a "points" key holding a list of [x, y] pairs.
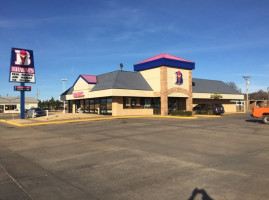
{"points": [[157, 85], [12, 104]]}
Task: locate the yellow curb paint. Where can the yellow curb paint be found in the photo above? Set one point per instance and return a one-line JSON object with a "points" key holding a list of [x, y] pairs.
{"points": [[232, 113], [95, 119], [209, 116], [12, 123]]}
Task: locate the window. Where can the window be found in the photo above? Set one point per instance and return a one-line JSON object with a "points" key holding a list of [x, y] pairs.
{"points": [[87, 106], [109, 106], [70, 106], [147, 103], [10, 107], [92, 106], [137, 102]]}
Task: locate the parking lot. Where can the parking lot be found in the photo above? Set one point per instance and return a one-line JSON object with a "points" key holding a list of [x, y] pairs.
{"points": [[137, 158]]}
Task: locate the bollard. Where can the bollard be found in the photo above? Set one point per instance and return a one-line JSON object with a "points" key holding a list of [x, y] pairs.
{"points": [[47, 114]]}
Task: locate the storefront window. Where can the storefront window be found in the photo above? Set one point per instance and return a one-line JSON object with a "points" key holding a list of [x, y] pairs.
{"points": [[148, 103], [109, 106], [10, 107], [87, 106], [77, 106], [103, 106], [97, 106], [137, 102], [92, 106], [70, 106], [82, 105]]}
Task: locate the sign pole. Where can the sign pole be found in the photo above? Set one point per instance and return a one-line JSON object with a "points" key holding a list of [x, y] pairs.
{"points": [[22, 102]]}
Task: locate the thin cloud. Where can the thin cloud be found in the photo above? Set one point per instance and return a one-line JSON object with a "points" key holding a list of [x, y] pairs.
{"points": [[15, 23]]}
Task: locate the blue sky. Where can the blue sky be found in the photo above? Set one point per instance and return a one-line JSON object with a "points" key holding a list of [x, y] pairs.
{"points": [[226, 39]]}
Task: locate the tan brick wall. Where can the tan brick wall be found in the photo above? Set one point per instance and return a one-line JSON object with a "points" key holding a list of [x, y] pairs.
{"points": [[163, 92], [190, 99]]}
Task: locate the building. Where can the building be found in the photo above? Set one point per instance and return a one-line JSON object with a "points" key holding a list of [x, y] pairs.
{"points": [[157, 85], [12, 104]]}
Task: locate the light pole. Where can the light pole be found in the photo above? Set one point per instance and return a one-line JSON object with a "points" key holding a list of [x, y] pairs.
{"points": [[247, 82], [64, 79]]}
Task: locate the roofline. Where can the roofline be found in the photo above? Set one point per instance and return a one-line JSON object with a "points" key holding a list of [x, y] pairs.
{"points": [[81, 75], [207, 79], [164, 62]]}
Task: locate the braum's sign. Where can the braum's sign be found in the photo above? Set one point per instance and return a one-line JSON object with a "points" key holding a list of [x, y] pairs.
{"points": [[22, 66]]}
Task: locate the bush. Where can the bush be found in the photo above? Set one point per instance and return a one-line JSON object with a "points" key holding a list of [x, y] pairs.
{"points": [[181, 112]]}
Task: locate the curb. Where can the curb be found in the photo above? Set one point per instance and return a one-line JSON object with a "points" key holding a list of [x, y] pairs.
{"points": [[209, 116], [233, 113]]}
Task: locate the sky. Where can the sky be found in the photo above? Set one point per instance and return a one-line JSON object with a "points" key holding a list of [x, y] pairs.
{"points": [[226, 39]]}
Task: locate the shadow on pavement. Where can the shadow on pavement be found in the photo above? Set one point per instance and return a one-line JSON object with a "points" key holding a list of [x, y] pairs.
{"points": [[204, 194], [254, 121]]}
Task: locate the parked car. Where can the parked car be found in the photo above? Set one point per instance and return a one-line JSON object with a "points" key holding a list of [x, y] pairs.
{"points": [[207, 108], [35, 112]]}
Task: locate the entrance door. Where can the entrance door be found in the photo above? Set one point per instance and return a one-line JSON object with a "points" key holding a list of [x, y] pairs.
{"points": [[176, 103], [1, 108], [156, 106]]}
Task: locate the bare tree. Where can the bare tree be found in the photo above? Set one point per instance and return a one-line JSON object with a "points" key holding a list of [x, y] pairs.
{"points": [[259, 95], [234, 86]]}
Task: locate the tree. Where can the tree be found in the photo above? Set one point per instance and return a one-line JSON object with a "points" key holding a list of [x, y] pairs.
{"points": [[259, 95], [50, 104], [234, 86]]}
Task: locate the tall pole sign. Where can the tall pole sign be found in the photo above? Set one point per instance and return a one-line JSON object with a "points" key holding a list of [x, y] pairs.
{"points": [[22, 70]]}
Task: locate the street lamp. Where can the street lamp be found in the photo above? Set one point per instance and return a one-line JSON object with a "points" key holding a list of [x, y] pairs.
{"points": [[64, 79], [247, 82]]}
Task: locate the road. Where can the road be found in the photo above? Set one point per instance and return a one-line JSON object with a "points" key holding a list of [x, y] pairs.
{"points": [[141, 158]]}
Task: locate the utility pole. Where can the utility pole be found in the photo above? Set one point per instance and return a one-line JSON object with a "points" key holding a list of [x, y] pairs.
{"points": [[268, 97], [247, 82], [37, 93], [64, 79]]}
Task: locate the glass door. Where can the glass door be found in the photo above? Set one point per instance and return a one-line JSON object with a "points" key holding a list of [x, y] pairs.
{"points": [[156, 102]]}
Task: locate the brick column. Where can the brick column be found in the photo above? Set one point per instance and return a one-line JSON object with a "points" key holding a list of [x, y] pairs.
{"points": [[189, 99], [163, 92]]}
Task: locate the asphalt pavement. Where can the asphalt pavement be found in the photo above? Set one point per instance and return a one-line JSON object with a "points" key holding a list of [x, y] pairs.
{"points": [[137, 158]]}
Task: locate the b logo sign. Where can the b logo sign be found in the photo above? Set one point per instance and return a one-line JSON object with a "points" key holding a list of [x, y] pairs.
{"points": [[22, 66], [179, 78], [22, 57]]}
